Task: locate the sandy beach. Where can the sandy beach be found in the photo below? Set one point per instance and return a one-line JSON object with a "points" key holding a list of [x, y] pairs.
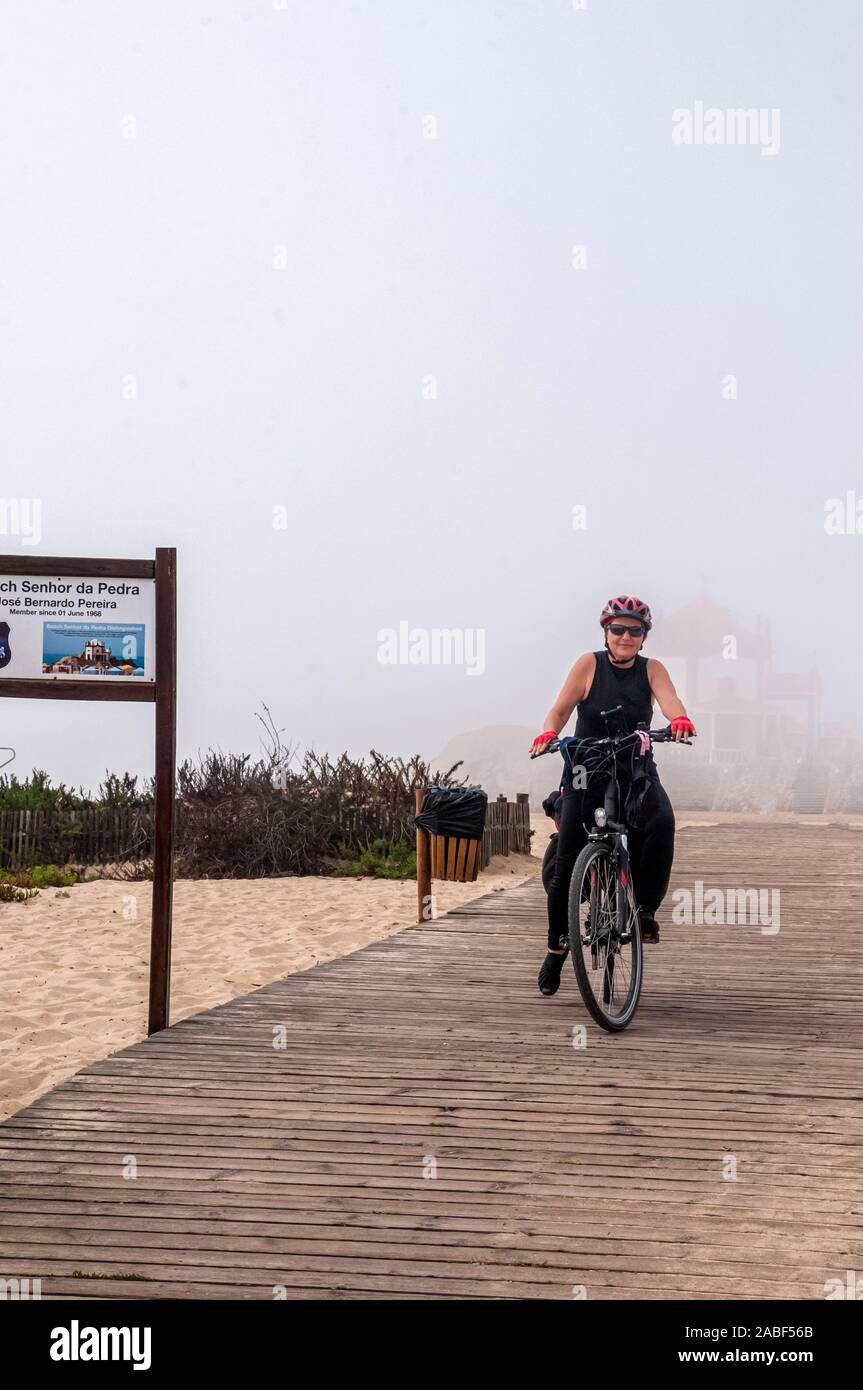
{"points": [[74, 969]]}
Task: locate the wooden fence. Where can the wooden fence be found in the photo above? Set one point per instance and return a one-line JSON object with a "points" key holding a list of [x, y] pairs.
{"points": [[507, 828], [108, 835], [97, 835]]}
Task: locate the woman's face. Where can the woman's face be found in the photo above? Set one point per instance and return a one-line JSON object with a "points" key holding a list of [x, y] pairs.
{"points": [[625, 645]]}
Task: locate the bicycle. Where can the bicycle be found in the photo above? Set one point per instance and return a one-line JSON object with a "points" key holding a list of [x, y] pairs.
{"points": [[603, 923]]}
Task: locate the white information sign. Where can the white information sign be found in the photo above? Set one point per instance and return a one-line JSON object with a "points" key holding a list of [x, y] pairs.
{"points": [[77, 628]]}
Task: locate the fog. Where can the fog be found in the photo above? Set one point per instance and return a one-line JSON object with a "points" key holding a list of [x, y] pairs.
{"points": [[403, 314]]}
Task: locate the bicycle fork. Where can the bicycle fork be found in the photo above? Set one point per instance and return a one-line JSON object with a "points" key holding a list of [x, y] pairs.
{"points": [[619, 930]]}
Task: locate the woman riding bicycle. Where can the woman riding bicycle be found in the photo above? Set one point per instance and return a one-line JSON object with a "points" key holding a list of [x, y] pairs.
{"points": [[604, 680]]}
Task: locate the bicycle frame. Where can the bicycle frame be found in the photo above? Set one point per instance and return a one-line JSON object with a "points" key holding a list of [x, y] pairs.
{"points": [[616, 835], [614, 831]]}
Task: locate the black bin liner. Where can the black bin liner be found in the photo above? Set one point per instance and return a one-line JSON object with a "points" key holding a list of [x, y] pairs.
{"points": [[454, 811]]}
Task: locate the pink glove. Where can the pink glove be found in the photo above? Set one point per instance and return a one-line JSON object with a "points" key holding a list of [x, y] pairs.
{"points": [[541, 742]]}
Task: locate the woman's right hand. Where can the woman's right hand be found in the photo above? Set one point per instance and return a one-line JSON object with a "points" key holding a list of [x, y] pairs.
{"points": [[541, 742]]}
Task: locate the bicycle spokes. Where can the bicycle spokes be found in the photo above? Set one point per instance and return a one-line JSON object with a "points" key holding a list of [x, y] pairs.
{"points": [[607, 952]]}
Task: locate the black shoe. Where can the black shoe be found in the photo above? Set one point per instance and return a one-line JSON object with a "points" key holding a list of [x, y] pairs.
{"points": [[649, 926], [549, 973]]}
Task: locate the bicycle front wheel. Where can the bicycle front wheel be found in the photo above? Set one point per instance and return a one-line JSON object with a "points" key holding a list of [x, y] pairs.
{"points": [[605, 937]]}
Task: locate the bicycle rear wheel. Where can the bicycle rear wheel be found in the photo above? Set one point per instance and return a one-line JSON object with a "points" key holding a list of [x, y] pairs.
{"points": [[605, 937]]}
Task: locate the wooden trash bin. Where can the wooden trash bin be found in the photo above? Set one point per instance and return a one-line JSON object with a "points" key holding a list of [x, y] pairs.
{"points": [[454, 859]]}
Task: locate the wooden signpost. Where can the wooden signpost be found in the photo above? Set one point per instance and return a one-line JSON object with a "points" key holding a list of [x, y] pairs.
{"points": [[424, 890], [134, 679]]}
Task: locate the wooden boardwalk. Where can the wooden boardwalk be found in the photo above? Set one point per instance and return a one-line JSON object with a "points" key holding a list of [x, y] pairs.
{"points": [[429, 1130]]}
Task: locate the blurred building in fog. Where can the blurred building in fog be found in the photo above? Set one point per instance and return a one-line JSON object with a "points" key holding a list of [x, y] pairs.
{"points": [[761, 745], [739, 703]]}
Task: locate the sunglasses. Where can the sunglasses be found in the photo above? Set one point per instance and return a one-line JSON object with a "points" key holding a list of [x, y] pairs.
{"points": [[620, 628]]}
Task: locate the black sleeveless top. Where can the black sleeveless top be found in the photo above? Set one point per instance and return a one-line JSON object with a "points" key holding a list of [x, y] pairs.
{"points": [[612, 686]]}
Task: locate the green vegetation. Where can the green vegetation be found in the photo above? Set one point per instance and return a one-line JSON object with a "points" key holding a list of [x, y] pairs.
{"points": [[10, 894], [40, 876], [48, 876], [380, 859], [37, 793], [123, 791]]}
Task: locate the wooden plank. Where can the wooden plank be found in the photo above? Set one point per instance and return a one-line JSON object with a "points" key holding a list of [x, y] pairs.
{"points": [[461, 859], [451, 851], [66, 688], [57, 567], [472, 864]]}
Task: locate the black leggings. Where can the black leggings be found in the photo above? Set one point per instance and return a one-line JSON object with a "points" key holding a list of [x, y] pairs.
{"points": [[651, 851]]}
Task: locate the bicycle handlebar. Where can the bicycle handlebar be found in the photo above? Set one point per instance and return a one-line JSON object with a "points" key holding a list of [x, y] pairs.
{"points": [[613, 740]]}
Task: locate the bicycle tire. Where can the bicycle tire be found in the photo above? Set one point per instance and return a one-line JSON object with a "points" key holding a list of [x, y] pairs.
{"points": [[591, 854]]}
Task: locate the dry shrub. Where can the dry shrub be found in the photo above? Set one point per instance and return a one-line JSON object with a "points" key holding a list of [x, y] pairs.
{"points": [[280, 814]]}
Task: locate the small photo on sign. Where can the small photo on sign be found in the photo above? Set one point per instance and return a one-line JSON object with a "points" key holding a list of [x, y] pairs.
{"points": [[93, 649]]}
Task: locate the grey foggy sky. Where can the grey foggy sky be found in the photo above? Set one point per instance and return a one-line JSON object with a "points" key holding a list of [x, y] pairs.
{"points": [[407, 257]]}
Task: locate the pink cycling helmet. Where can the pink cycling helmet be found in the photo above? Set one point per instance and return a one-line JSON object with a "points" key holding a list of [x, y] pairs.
{"points": [[626, 606]]}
